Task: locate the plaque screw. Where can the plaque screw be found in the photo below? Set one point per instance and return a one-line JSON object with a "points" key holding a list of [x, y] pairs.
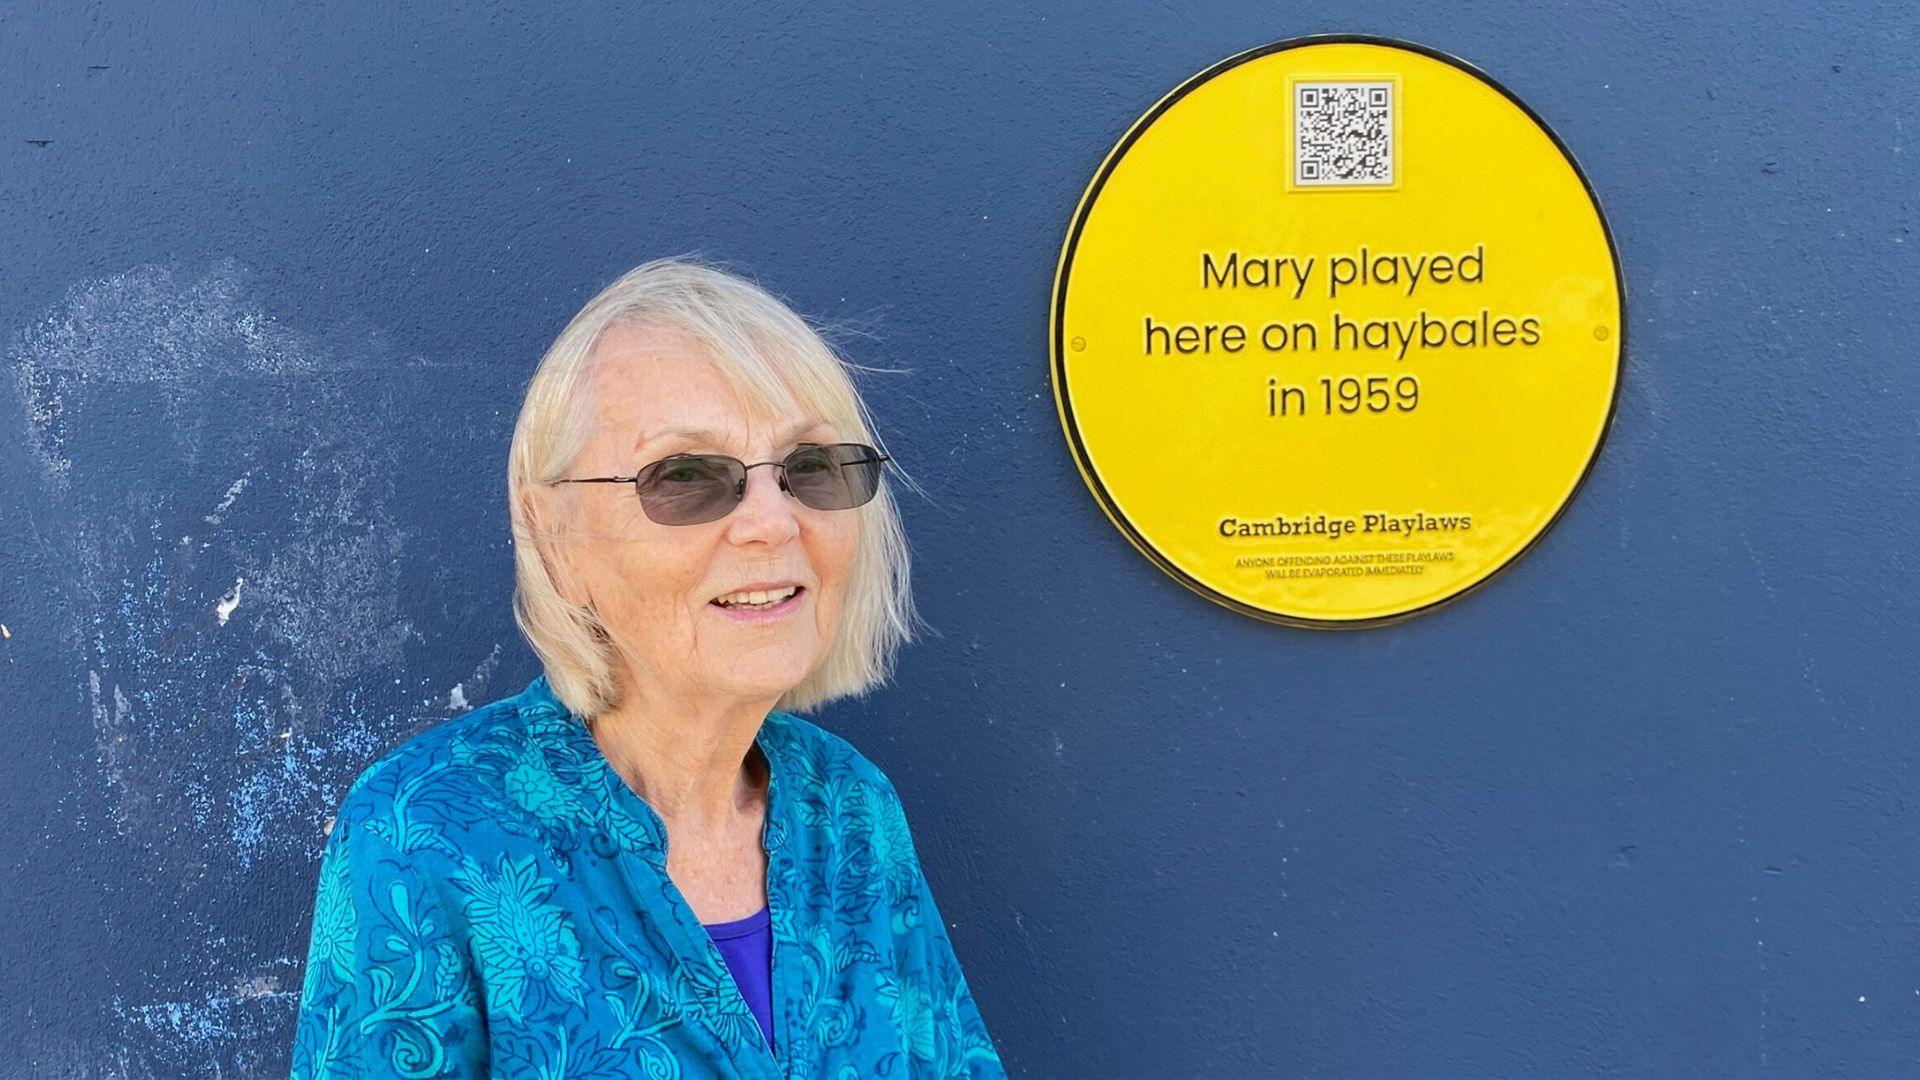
{"points": [[1079, 344], [1600, 333]]}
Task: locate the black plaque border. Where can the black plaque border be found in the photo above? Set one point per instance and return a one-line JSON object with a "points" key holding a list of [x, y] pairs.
{"points": [[1063, 398]]}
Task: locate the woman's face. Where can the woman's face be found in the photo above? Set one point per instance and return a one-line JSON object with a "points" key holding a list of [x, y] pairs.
{"points": [[654, 586]]}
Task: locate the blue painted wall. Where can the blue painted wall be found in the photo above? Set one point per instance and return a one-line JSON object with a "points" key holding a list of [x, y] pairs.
{"points": [[1645, 805]]}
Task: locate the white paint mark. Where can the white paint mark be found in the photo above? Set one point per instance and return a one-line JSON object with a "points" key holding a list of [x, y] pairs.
{"points": [[233, 491], [229, 601], [458, 701]]}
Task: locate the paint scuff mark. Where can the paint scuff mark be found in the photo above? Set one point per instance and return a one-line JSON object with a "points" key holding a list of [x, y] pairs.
{"points": [[239, 1021], [317, 555], [457, 699], [218, 749], [230, 601], [233, 492]]}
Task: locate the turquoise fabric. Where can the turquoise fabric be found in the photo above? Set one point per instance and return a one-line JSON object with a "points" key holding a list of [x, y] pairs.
{"points": [[493, 901]]}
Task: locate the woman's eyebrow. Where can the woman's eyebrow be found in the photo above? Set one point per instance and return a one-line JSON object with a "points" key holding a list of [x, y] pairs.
{"points": [[714, 438]]}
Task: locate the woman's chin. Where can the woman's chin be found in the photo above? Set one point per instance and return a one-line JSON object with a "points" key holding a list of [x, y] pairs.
{"points": [[761, 682]]}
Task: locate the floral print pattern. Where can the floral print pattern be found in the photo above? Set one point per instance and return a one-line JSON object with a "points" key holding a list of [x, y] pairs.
{"points": [[493, 901], [333, 927], [523, 945]]}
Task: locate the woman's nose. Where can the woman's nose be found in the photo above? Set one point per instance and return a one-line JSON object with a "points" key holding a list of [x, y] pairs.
{"points": [[766, 511]]}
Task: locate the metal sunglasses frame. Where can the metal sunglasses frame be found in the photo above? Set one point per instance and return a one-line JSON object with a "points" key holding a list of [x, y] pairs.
{"points": [[740, 490]]}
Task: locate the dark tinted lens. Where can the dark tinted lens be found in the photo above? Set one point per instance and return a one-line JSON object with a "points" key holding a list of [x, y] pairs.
{"points": [[837, 477], [690, 489]]}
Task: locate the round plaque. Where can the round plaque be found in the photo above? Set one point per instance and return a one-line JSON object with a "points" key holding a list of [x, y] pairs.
{"points": [[1336, 331]]}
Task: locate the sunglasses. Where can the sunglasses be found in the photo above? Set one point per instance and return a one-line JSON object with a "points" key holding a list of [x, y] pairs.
{"points": [[692, 489]]}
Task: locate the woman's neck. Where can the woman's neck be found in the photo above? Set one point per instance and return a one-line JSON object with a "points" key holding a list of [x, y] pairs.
{"points": [[688, 758]]}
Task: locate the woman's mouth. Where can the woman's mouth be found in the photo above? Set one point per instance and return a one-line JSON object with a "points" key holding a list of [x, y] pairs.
{"points": [[759, 605]]}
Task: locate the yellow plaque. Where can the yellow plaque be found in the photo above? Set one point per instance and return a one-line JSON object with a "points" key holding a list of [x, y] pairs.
{"points": [[1336, 331]]}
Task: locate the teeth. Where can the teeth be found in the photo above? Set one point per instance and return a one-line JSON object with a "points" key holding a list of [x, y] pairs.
{"points": [[757, 598]]}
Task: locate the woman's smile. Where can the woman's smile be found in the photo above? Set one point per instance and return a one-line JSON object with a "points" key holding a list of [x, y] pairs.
{"points": [[759, 605]]}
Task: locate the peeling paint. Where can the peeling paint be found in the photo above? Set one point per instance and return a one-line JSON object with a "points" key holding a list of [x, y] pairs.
{"points": [[315, 552], [240, 1021], [221, 745], [230, 601]]}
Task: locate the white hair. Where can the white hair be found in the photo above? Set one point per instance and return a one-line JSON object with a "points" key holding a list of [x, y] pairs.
{"points": [[770, 355]]}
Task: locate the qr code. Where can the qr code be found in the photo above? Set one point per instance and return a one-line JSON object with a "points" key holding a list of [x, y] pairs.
{"points": [[1343, 134]]}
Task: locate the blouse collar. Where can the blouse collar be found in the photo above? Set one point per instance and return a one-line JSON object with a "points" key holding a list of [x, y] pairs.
{"points": [[578, 766]]}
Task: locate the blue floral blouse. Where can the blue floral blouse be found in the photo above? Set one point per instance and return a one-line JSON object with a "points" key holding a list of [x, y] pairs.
{"points": [[494, 901]]}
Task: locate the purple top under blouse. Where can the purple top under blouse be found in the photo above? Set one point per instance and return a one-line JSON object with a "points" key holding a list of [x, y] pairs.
{"points": [[747, 945]]}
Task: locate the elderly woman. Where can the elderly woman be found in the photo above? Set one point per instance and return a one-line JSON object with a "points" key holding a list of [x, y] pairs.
{"points": [[645, 864]]}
